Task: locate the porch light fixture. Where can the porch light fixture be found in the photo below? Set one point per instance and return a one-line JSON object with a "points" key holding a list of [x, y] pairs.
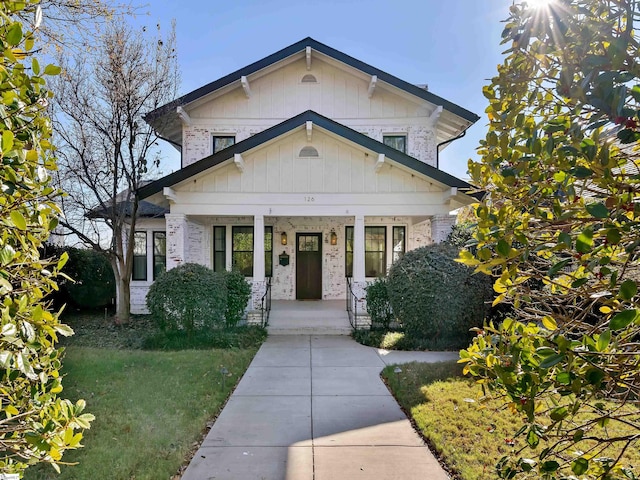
{"points": [[334, 237], [283, 238]]}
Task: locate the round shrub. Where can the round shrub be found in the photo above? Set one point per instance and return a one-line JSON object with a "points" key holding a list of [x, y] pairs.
{"points": [[436, 298], [189, 297], [238, 293]]}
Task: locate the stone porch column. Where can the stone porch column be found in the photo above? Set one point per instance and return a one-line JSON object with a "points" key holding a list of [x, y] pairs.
{"points": [[177, 232], [358, 249], [441, 227]]}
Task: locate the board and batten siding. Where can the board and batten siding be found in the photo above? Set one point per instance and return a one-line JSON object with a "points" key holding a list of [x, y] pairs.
{"points": [[340, 93], [339, 168]]}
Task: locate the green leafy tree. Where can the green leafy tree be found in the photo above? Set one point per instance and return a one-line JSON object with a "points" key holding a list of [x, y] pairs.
{"points": [[35, 425], [559, 227]]}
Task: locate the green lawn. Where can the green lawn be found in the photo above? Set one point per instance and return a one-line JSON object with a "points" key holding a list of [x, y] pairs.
{"points": [[468, 439], [150, 406]]}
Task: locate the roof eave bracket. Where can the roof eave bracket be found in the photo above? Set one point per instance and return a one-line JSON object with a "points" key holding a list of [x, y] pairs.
{"points": [[372, 85], [245, 86], [380, 162], [308, 56], [239, 162]]}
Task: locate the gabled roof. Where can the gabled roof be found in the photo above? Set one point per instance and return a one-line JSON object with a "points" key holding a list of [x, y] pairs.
{"points": [[326, 50], [288, 125]]}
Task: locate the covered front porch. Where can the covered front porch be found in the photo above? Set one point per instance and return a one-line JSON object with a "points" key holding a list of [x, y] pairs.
{"points": [[304, 261]]}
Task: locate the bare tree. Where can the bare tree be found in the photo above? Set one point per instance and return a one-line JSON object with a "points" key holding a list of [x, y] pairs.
{"points": [[105, 147]]}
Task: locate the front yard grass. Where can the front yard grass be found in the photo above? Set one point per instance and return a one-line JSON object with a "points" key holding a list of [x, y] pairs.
{"points": [[444, 407], [151, 407]]}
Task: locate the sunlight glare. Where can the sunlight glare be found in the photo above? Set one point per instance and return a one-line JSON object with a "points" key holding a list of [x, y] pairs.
{"points": [[539, 3]]}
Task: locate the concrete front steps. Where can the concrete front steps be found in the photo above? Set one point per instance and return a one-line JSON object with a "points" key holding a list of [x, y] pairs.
{"points": [[311, 317]]}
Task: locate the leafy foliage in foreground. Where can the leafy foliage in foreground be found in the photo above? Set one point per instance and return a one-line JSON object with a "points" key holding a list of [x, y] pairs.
{"points": [[560, 226], [468, 432], [35, 425], [436, 298]]}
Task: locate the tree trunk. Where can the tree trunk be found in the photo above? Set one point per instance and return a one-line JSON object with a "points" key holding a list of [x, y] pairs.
{"points": [[123, 296]]}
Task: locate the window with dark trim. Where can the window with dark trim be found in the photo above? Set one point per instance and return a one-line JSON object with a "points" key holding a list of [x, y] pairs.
{"points": [[399, 142], [139, 270], [348, 251], [375, 251], [242, 250], [220, 142], [268, 251], [219, 248], [159, 253], [399, 242]]}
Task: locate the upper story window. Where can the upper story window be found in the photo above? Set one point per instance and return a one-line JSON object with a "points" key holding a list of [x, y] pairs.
{"points": [[399, 142], [220, 142]]}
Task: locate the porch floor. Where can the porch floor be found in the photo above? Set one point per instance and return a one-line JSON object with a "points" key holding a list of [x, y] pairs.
{"points": [[308, 317]]}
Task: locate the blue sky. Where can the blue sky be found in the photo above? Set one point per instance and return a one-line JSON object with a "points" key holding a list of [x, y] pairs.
{"points": [[451, 45]]}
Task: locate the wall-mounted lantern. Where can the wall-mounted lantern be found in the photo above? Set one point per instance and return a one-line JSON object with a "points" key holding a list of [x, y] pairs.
{"points": [[283, 258], [334, 237], [283, 238]]}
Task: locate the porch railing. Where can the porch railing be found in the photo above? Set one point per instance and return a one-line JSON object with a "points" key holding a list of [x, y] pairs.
{"points": [[352, 305], [265, 304]]}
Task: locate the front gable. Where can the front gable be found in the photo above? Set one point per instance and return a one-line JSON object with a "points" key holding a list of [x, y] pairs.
{"points": [[281, 85], [284, 166]]}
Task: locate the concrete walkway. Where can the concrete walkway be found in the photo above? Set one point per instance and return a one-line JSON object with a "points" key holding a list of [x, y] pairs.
{"points": [[315, 408]]}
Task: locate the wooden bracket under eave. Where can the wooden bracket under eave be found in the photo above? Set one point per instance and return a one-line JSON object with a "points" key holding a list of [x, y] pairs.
{"points": [[380, 162], [184, 116], [447, 195], [309, 127], [372, 85], [308, 56], [239, 162], [170, 193], [245, 86], [435, 116]]}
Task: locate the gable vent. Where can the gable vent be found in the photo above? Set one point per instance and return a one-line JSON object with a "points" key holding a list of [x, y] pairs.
{"points": [[308, 78], [308, 152]]}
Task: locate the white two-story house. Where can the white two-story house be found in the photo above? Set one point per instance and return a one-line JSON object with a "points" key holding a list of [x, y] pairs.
{"points": [[301, 169]]}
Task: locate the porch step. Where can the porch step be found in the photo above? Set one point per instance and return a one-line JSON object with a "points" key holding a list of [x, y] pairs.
{"points": [[308, 330], [308, 318]]}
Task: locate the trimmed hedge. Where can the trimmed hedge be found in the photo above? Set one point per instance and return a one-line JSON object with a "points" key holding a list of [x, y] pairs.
{"points": [[437, 299], [192, 297]]}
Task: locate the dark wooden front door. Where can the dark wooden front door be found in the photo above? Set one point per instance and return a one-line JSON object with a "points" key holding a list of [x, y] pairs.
{"points": [[309, 266]]}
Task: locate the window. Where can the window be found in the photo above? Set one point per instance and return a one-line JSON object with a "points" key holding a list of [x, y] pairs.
{"points": [[399, 142], [268, 251], [139, 271], [219, 249], [348, 251], [222, 142], [159, 253], [375, 251], [242, 250], [399, 243]]}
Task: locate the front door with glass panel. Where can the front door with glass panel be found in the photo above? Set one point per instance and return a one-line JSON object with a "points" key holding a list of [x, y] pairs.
{"points": [[309, 266]]}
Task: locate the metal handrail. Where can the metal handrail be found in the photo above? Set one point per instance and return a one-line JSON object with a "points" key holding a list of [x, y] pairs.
{"points": [[265, 304], [352, 305]]}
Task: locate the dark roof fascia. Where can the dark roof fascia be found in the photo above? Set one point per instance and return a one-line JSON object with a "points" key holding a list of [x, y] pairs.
{"points": [[329, 51], [288, 125]]}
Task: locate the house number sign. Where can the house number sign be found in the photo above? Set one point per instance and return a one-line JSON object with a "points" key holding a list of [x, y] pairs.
{"points": [[309, 199]]}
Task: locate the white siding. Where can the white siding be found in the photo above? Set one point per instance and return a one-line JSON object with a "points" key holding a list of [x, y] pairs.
{"points": [[340, 94]]}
